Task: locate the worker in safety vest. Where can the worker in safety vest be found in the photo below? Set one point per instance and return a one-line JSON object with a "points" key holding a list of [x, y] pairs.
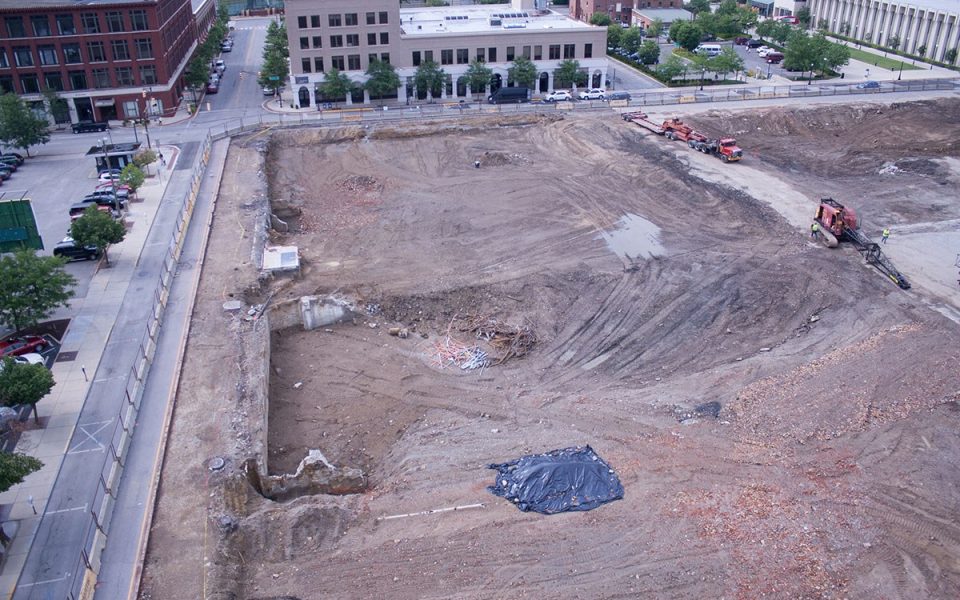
{"points": [[885, 235], [814, 229]]}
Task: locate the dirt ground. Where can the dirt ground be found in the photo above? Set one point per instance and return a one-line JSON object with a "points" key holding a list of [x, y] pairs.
{"points": [[637, 282]]}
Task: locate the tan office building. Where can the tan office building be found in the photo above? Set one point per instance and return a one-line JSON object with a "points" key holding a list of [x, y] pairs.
{"points": [[348, 34]]}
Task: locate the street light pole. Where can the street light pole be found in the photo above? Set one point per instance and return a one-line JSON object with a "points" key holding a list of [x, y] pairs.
{"points": [[146, 118], [901, 71], [810, 80], [703, 73]]}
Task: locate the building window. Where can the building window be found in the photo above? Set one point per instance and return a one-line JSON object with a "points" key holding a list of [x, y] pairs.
{"points": [[304, 43], [481, 54], [101, 78], [41, 25], [446, 57], [53, 81], [384, 38], [119, 49], [305, 65], [554, 51], [353, 62], [124, 76], [138, 20], [78, 80], [15, 27], [492, 55], [30, 84], [6, 85], [383, 17], [416, 58], [148, 75], [371, 39], [115, 21], [48, 55], [511, 51], [353, 40], [463, 56], [95, 52], [350, 19], [371, 18], [302, 22], [4, 62], [588, 50], [65, 25], [71, 54], [318, 41], [144, 48], [131, 109], [337, 62], [333, 20], [315, 21], [336, 41], [526, 52], [428, 56], [22, 56], [538, 53], [90, 23], [569, 51], [318, 64], [385, 57], [372, 58]]}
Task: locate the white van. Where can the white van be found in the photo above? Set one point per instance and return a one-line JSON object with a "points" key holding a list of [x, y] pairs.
{"points": [[709, 49]]}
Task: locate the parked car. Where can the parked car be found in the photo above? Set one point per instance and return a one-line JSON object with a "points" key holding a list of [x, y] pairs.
{"points": [[69, 249], [868, 85], [754, 44], [30, 359], [19, 157], [268, 91], [558, 96], [763, 50], [774, 58], [88, 126], [108, 175], [592, 94], [76, 210], [219, 65], [741, 41], [790, 19], [23, 345], [101, 200], [5, 173], [212, 88], [122, 188], [10, 162], [619, 96]]}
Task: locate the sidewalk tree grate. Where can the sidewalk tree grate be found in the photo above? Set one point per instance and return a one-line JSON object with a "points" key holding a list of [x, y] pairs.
{"points": [[67, 356]]}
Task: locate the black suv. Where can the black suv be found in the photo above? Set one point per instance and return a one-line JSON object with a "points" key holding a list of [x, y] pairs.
{"points": [[88, 126], [68, 248]]}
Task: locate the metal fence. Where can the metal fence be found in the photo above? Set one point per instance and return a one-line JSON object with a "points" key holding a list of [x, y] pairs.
{"points": [[101, 506]]}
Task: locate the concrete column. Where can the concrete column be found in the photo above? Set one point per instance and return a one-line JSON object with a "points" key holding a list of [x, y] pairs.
{"points": [[603, 78], [311, 88], [366, 97], [402, 92], [72, 106], [549, 81]]}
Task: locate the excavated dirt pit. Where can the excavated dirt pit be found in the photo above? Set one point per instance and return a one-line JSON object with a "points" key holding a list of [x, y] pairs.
{"points": [[624, 285]]}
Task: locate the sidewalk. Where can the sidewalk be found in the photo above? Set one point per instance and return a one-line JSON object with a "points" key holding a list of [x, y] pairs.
{"points": [[91, 324]]}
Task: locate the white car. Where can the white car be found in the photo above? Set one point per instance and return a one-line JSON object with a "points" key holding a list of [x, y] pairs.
{"points": [[558, 96], [26, 359], [109, 176], [762, 51], [594, 94]]}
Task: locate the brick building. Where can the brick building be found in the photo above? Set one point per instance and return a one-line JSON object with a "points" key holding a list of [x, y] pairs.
{"points": [[348, 34], [109, 59]]}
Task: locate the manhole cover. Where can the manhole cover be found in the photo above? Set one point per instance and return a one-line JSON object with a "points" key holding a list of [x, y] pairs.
{"points": [[67, 356], [216, 463]]}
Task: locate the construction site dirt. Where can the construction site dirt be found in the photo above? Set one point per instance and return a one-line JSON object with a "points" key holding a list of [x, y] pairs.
{"points": [[784, 419]]}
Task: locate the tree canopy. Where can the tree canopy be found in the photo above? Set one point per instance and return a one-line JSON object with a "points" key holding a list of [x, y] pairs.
{"points": [[813, 52], [24, 385], [599, 18], [631, 39], [478, 76], [382, 79], [31, 287], [671, 68], [97, 228], [336, 85], [614, 35], [430, 78], [656, 28], [14, 467], [522, 72], [698, 6], [568, 73], [686, 34], [649, 52], [19, 126]]}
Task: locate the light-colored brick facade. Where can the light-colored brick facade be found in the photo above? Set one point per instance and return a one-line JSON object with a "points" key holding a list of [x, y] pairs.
{"points": [[348, 34]]}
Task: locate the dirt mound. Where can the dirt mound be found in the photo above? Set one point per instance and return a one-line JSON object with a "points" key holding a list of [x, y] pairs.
{"points": [[498, 159]]}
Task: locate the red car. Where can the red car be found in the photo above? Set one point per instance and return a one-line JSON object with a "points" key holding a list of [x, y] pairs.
{"points": [[25, 345]]}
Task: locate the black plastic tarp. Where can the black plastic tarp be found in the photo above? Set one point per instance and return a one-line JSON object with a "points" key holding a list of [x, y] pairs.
{"points": [[557, 481]]}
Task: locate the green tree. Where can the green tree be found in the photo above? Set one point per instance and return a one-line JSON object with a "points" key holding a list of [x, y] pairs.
{"points": [[14, 467], [709, 23], [274, 70], [223, 14], [671, 68], [196, 75], [335, 86], [782, 32], [144, 158], [382, 79], [631, 39], [921, 50], [58, 107], [656, 28], [727, 7], [614, 35], [568, 73], [24, 385], [437, 3], [19, 126], [478, 76], [430, 78], [686, 34], [803, 15], [132, 176], [522, 72], [601, 19], [31, 287], [893, 41], [649, 52], [698, 6], [97, 228], [833, 55], [845, 28], [766, 28], [728, 61], [277, 39], [801, 52], [950, 56]]}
